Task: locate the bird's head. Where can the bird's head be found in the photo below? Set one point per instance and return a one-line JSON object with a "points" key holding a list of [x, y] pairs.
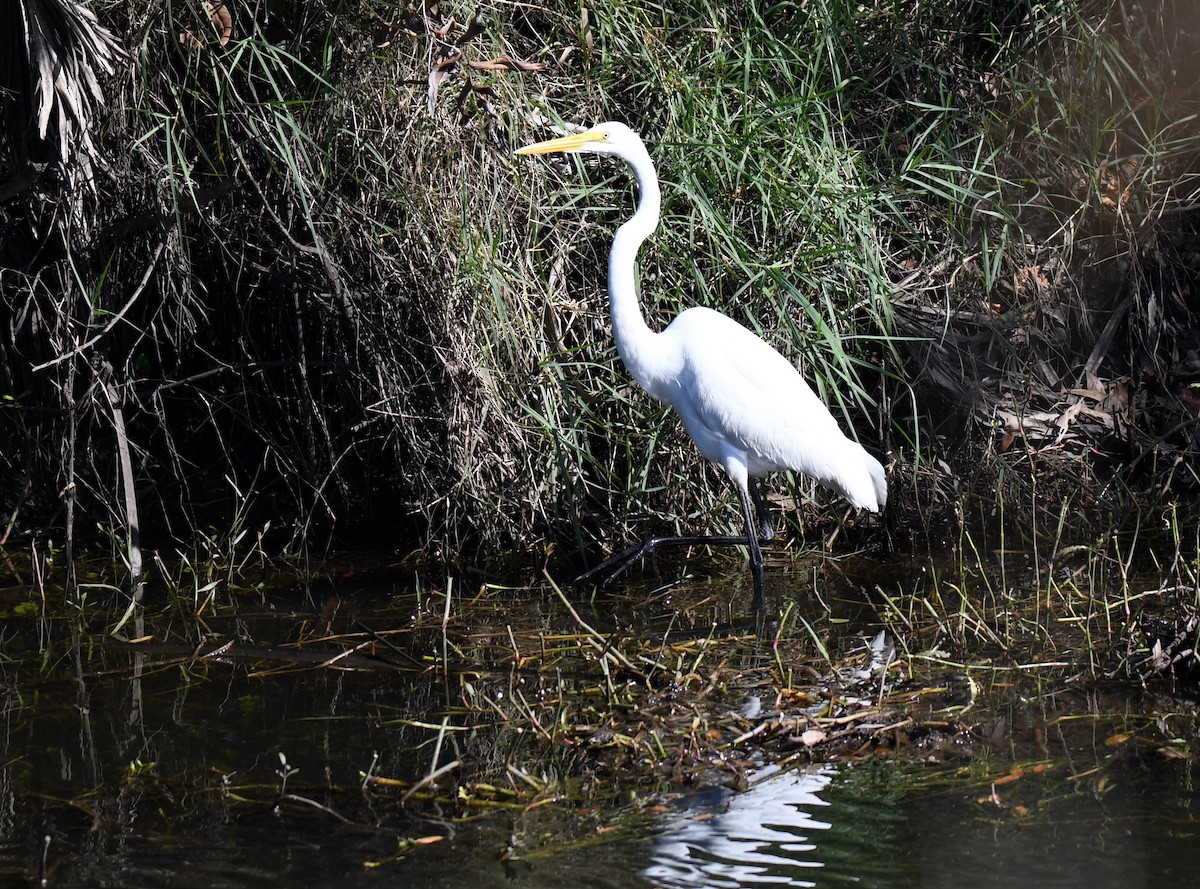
{"points": [[610, 137]]}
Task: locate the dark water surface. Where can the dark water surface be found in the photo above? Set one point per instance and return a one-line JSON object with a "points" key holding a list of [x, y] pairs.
{"points": [[124, 770], [820, 829]]}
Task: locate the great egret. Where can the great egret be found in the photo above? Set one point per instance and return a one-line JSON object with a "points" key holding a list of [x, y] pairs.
{"points": [[744, 405]]}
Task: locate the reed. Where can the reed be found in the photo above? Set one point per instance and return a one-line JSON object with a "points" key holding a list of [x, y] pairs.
{"points": [[310, 290]]}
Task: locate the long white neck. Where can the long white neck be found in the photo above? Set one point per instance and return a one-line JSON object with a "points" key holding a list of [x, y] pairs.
{"points": [[634, 339]]}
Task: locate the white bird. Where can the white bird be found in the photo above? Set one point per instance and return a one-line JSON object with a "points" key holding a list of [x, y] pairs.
{"points": [[744, 405]]}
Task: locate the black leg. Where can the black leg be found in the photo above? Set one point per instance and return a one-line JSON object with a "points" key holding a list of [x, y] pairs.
{"points": [[615, 565], [756, 557], [752, 501], [766, 529]]}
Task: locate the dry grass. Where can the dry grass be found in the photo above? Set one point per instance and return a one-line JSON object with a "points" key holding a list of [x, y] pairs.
{"points": [[317, 301]]}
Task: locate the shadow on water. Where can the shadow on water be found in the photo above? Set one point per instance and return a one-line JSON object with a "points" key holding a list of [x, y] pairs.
{"points": [[255, 751]]}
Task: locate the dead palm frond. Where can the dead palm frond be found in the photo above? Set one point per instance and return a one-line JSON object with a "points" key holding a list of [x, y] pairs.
{"points": [[50, 85]]}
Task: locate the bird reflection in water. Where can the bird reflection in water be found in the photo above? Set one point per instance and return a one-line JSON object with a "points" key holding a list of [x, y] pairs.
{"points": [[763, 836]]}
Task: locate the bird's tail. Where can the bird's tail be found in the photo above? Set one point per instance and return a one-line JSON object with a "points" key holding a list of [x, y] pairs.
{"points": [[865, 490], [878, 479]]}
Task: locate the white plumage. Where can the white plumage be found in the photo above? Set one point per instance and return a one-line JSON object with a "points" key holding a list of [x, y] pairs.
{"points": [[744, 405]]}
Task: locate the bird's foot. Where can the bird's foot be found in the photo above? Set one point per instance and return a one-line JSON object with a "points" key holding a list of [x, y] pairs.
{"points": [[617, 564]]}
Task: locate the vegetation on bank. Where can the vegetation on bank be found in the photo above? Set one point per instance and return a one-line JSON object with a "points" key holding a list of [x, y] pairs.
{"points": [[276, 270]]}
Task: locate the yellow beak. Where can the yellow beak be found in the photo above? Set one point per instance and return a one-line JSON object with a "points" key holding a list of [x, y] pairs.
{"points": [[573, 142]]}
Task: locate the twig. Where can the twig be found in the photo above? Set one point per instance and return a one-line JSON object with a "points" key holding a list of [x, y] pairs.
{"points": [[120, 316], [430, 778], [316, 805], [606, 650]]}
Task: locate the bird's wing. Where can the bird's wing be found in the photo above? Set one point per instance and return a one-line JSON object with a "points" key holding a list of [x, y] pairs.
{"points": [[742, 394]]}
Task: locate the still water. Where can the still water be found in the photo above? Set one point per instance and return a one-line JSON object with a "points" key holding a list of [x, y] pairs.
{"points": [[130, 770]]}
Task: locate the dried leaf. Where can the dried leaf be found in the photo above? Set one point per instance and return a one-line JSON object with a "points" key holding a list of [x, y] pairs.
{"points": [[1116, 183], [812, 737], [221, 18], [1015, 774], [474, 29], [1066, 417], [1117, 397], [504, 63], [446, 29], [1032, 280], [441, 70]]}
